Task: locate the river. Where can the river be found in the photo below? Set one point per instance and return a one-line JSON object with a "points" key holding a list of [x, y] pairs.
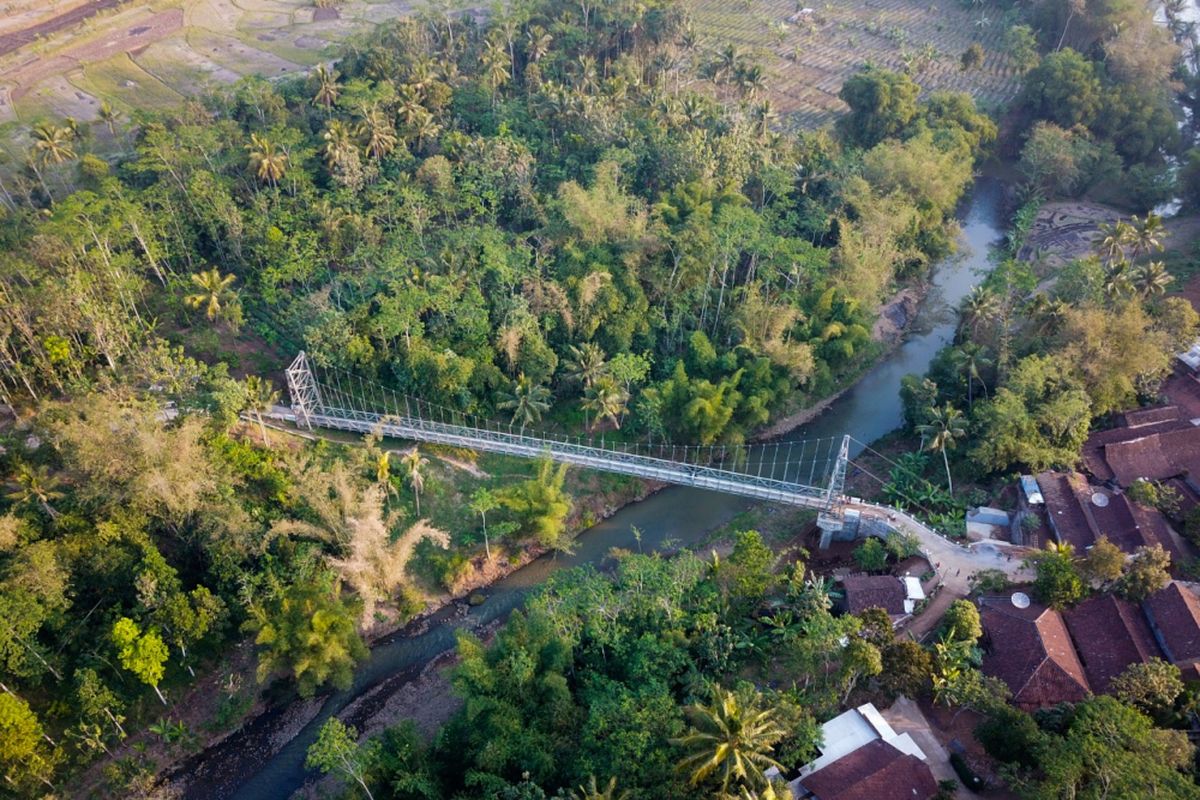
{"points": [[668, 520]]}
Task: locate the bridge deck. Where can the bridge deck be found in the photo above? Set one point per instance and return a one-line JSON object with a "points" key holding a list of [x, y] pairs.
{"points": [[604, 459]]}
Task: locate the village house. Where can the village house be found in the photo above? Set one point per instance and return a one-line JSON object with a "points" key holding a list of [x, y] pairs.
{"points": [[863, 758], [898, 596], [1048, 657]]}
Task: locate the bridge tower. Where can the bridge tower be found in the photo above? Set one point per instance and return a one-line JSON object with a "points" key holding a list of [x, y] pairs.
{"points": [[832, 518], [303, 390]]}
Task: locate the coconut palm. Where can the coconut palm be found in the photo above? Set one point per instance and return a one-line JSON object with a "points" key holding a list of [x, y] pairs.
{"points": [[539, 43], [1116, 237], [980, 307], [483, 501], [214, 294], [53, 144], [327, 87], [339, 144], [763, 114], [425, 129], [261, 395], [729, 743], [726, 64], [1151, 279], [945, 425], [527, 400], [109, 116], [971, 360], [408, 105], [414, 463], [497, 66], [376, 131], [593, 791], [1118, 282], [268, 162], [1148, 234], [606, 399], [586, 364], [35, 486]]}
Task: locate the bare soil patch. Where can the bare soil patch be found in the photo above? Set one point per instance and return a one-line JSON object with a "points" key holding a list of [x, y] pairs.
{"points": [[14, 40]]}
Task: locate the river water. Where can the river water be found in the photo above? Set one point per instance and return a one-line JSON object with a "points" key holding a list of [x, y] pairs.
{"points": [[673, 518]]}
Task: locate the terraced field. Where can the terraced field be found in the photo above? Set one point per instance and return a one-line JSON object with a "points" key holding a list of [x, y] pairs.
{"points": [[810, 51], [59, 58]]}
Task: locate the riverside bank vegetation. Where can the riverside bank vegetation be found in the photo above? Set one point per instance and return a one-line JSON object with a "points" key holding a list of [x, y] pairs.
{"points": [[571, 215]]}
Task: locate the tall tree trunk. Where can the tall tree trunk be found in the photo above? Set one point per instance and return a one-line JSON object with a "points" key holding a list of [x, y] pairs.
{"points": [[949, 480]]}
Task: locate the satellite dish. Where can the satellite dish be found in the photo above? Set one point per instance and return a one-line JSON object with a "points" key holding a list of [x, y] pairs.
{"points": [[1020, 600], [1099, 499]]}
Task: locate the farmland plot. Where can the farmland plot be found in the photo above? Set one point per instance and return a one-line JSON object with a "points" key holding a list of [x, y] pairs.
{"points": [[811, 51]]}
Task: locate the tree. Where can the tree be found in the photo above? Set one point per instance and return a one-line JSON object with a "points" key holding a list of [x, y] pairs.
{"points": [[36, 486], [337, 750], [586, 364], [109, 116], [1151, 686], [261, 396], [1058, 583], [907, 669], [377, 131], [143, 654], [24, 754], [189, 617], [53, 144], [606, 400], [728, 743], [308, 631], [267, 161], [1104, 562], [1010, 735], [483, 501], [860, 659], [972, 57], [215, 296], [1151, 279], [882, 104], [1112, 750], [542, 502], [527, 401], [945, 426], [1145, 573], [592, 791], [751, 566], [327, 90], [1064, 89], [414, 463], [871, 555], [961, 622]]}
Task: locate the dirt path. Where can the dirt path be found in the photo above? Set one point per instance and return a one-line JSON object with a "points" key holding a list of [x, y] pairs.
{"points": [[15, 40], [143, 34]]}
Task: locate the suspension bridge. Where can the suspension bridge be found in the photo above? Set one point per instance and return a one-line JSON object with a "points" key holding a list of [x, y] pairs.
{"points": [[809, 474]]}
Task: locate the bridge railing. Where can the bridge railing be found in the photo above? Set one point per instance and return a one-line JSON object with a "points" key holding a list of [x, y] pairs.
{"points": [[518, 444]]}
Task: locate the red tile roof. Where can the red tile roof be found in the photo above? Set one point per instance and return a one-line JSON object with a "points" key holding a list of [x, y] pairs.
{"points": [[1174, 614], [1095, 449], [1109, 635], [874, 591], [875, 771], [1069, 518], [1150, 416], [1031, 651]]}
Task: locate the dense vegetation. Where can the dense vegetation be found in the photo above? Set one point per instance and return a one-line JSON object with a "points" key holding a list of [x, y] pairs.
{"points": [[547, 215]]}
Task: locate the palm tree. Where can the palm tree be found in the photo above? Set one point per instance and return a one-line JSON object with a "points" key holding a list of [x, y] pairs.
{"points": [[763, 115], [1151, 279], [377, 131], [971, 361], [413, 463], [1118, 283], [327, 87], [261, 395], [497, 65], [52, 144], [527, 401], [409, 106], [483, 501], [109, 116], [945, 425], [586, 364], [980, 307], [729, 742], [36, 486], [268, 162], [539, 43], [726, 64], [593, 792], [425, 129], [751, 80], [606, 399], [214, 294], [1116, 238], [339, 144], [1148, 234]]}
